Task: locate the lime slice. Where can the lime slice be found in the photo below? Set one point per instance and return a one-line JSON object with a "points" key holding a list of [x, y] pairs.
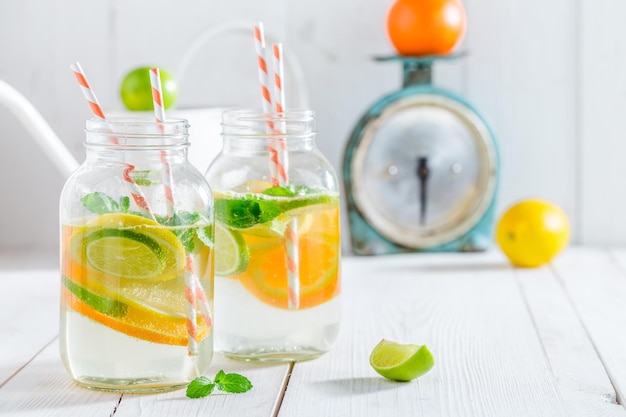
{"points": [[232, 254], [124, 245], [312, 203], [401, 362], [124, 254]]}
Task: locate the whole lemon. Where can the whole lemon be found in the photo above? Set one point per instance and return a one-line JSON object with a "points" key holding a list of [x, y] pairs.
{"points": [[532, 232]]}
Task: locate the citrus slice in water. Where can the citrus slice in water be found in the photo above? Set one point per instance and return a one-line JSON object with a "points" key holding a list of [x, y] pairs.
{"points": [[318, 263], [128, 246], [401, 362], [133, 319], [231, 252], [143, 296]]}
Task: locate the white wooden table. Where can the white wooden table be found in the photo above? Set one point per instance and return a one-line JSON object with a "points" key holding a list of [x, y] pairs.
{"points": [[507, 342]]}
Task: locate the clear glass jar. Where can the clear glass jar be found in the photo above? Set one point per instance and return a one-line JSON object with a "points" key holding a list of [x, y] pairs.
{"points": [[277, 261], [136, 260]]}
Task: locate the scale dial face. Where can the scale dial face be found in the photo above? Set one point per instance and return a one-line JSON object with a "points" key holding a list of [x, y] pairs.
{"points": [[424, 172]]}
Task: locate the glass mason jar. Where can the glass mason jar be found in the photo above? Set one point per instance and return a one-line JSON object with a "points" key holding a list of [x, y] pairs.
{"points": [[136, 260], [277, 260]]}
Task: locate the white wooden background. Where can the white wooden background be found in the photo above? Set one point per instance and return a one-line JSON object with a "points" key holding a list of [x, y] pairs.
{"points": [[548, 76]]}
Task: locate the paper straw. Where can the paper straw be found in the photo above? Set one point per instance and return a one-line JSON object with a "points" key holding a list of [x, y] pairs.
{"points": [[278, 155], [279, 101], [159, 113], [279, 93], [97, 111], [88, 92], [293, 272], [277, 170], [291, 231], [190, 297], [194, 293], [259, 44]]}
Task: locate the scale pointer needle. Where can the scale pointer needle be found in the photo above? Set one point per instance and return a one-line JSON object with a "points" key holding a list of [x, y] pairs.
{"points": [[422, 174]]}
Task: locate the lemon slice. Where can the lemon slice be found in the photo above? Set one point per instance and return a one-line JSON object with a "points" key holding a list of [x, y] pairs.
{"points": [[232, 254], [401, 362], [128, 246]]}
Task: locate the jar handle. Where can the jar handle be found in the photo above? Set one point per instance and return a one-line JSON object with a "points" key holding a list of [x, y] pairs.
{"points": [[291, 60]]}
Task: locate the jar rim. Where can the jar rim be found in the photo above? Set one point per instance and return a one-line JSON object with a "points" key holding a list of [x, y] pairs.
{"points": [[253, 122], [134, 132], [141, 126]]}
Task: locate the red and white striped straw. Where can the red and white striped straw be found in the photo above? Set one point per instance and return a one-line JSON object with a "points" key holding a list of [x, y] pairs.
{"points": [[279, 106], [159, 113], [192, 324], [88, 92], [194, 293], [279, 93], [96, 109], [259, 44], [277, 171], [291, 231], [293, 262]]}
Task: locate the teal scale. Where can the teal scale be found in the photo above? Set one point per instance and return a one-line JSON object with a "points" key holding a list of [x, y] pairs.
{"points": [[420, 170]]}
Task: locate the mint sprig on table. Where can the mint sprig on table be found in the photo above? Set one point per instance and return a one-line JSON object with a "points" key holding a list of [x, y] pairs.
{"points": [[231, 383]]}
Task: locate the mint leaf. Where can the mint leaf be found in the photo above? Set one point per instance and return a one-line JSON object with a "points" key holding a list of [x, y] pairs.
{"points": [[124, 203], [245, 212], [141, 178], [233, 383], [279, 192], [200, 387], [205, 234], [100, 203], [185, 235]]}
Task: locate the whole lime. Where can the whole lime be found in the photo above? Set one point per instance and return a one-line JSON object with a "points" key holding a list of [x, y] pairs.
{"points": [[532, 232], [136, 91]]}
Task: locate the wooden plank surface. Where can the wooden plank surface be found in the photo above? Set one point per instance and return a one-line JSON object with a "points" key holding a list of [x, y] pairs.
{"points": [[514, 342], [268, 381], [29, 316], [596, 283], [467, 309], [578, 371], [33, 381], [44, 388]]}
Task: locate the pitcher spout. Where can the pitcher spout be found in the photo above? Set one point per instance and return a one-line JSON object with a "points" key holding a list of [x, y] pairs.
{"points": [[37, 126]]}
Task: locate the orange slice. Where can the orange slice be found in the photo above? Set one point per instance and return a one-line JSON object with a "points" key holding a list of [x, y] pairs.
{"points": [[266, 278], [141, 323]]}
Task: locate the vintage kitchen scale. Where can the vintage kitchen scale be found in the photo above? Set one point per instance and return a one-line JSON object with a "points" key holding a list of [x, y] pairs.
{"points": [[420, 170]]}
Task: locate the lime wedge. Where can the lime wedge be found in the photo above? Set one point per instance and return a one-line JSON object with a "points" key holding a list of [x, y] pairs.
{"points": [[232, 254], [401, 362]]}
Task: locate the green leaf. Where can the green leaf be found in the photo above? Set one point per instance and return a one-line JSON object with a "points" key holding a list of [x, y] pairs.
{"points": [[141, 178], [124, 203], [100, 203], [186, 235], [205, 234], [233, 383], [279, 192], [245, 212], [200, 387]]}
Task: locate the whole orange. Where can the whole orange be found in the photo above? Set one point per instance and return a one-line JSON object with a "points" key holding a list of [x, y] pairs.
{"points": [[426, 27]]}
